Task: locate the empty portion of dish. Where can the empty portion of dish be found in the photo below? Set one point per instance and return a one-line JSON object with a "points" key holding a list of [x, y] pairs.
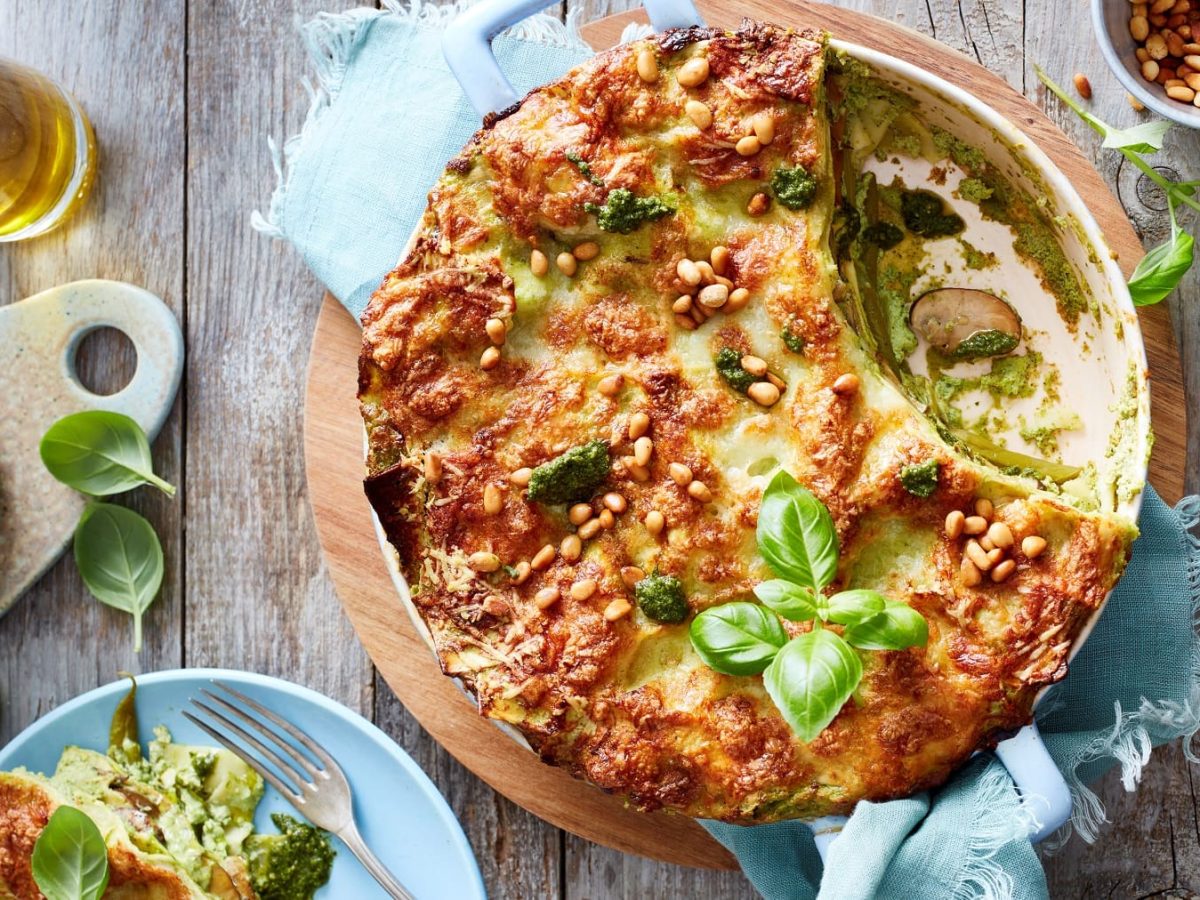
{"points": [[690, 263]]}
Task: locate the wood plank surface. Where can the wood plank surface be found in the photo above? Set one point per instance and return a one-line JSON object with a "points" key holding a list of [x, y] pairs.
{"points": [[182, 94]]}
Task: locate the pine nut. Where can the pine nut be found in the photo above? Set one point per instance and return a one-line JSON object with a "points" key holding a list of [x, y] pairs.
{"points": [[698, 490], [615, 502], [688, 272], [610, 384], [523, 569], [714, 296], [707, 275], [738, 298], [682, 306], [589, 529], [680, 474], [748, 146], [759, 204], [433, 467], [755, 366], [984, 507], [496, 331], [543, 558], [1156, 46], [1003, 570], [1150, 70], [489, 359], [482, 561], [1001, 535], [1033, 546], [763, 393], [643, 448], [978, 555], [975, 525], [777, 381], [654, 522], [721, 279], [618, 609], [1174, 43], [639, 424], [986, 543], [719, 257], [520, 477], [1193, 81], [699, 113], [1135, 103], [1161, 6], [1083, 86], [585, 251], [571, 547], [579, 513], [647, 66], [493, 500], [567, 264], [581, 590], [1139, 28], [764, 127], [631, 575], [969, 573], [539, 265], [845, 384], [636, 470], [1141, 55], [995, 555], [1181, 92], [693, 73], [954, 524], [687, 323], [546, 597], [606, 519]]}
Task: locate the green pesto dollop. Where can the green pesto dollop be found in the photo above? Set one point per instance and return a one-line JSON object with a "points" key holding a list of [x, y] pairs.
{"points": [[883, 235], [623, 211], [571, 475], [661, 598], [584, 168], [924, 214], [921, 480], [794, 188], [1013, 376], [729, 366], [291, 865], [792, 340], [991, 342]]}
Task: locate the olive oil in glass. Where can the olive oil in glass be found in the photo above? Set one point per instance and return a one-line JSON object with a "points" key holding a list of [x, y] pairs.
{"points": [[47, 153]]}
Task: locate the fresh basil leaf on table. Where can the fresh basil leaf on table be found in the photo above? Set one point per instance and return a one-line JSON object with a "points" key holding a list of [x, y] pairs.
{"points": [[1161, 269], [737, 638], [70, 859], [100, 453], [790, 600], [810, 680], [796, 536], [897, 627], [120, 560]]}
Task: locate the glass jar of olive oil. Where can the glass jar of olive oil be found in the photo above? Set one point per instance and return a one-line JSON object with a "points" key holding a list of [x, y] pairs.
{"points": [[47, 153]]}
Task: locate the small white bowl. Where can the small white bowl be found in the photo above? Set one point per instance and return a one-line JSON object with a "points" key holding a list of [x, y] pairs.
{"points": [[1110, 18]]}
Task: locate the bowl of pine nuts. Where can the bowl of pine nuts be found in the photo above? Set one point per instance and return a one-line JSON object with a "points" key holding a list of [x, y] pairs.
{"points": [[1153, 48]]}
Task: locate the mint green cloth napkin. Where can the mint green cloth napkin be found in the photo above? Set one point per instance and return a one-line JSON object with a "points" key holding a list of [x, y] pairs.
{"points": [[386, 116]]}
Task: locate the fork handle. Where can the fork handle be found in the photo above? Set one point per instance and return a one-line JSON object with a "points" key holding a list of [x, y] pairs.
{"points": [[371, 863]]}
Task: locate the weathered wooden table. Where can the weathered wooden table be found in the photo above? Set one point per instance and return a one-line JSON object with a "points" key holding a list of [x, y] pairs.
{"points": [[182, 95]]}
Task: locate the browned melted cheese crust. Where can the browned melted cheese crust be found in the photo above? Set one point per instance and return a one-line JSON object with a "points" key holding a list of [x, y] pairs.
{"points": [[626, 703]]}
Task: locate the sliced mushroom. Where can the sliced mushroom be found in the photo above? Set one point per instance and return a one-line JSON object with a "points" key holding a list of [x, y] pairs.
{"points": [[965, 323]]}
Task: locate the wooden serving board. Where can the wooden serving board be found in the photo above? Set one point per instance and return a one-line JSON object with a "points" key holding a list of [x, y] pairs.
{"points": [[333, 458]]}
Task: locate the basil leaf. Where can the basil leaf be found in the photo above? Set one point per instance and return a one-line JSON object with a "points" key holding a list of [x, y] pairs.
{"points": [[1161, 269], [788, 599], [100, 453], [1144, 138], [897, 627], [70, 859], [120, 560], [737, 638], [811, 679], [796, 536], [852, 607]]}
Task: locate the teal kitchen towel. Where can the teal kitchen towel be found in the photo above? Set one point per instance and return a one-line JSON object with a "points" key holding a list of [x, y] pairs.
{"points": [[386, 115]]}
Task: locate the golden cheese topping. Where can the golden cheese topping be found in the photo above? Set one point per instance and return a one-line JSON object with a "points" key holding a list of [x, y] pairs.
{"points": [[587, 268]]}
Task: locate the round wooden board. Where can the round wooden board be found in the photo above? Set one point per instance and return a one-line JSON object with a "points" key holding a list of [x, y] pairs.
{"points": [[333, 459]]}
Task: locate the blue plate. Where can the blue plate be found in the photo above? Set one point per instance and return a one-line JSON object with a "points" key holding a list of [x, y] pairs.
{"points": [[400, 813]]}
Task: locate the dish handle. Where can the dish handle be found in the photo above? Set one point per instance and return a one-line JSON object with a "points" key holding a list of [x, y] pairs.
{"points": [[467, 44], [1036, 777]]}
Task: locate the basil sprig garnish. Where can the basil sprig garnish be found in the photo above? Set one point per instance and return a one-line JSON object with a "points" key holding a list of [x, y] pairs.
{"points": [[811, 676], [70, 858]]}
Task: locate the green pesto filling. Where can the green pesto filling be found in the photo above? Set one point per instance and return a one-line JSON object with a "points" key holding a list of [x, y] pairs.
{"points": [[925, 214], [290, 865], [792, 340], [571, 475], [623, 211], [975, 258], [794, 188], [661, 598], [921, 480], [584, 168], [975, 190], [986, 343], [729, 366], [883, 235]]}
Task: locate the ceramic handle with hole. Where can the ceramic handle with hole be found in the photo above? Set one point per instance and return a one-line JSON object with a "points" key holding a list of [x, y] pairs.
{"points": [[467, 44]]}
